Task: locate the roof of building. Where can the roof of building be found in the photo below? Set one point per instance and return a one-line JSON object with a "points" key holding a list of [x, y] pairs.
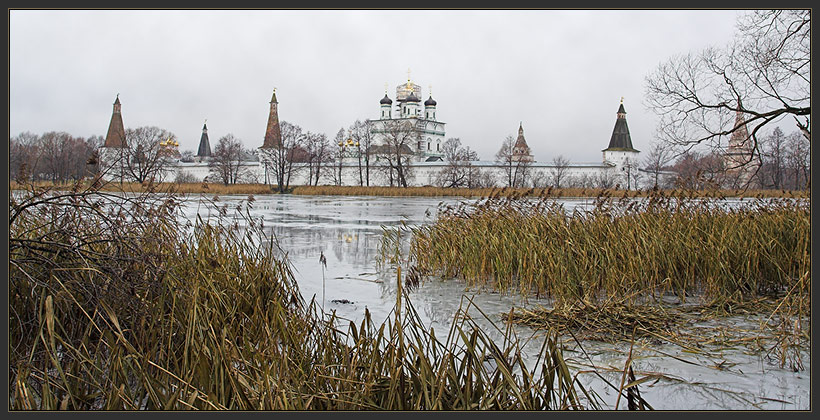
{"points": [[273, 133], [520, 142], [386, 100], [412, 98], [204, 143], [621, 140], [430, 101], [116, 130]]}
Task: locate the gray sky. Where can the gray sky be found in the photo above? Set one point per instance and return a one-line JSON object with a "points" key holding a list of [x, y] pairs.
{"points": [[562, 73]]}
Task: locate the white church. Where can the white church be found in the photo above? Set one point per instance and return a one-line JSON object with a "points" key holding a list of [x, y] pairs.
{"points": [[619, 164]]}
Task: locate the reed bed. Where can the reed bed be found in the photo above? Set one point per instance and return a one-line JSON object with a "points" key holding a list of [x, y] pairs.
{"points": [[629, 250], [611, 271], [114, 305]]}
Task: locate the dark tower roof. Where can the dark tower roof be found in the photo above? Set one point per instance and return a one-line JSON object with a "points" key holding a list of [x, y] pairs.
{"points": [[621, 140], [412, 98], [520, 142], [116, 130], [273, 134], [386, 100], [204, 143], [430, 101]]}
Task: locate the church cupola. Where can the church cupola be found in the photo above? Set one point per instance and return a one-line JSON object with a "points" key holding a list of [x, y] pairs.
{"points": [[430, 107], [386, 104]]}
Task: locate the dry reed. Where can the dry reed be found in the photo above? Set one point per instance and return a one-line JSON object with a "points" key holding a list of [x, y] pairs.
{"points": [[115, 305]]}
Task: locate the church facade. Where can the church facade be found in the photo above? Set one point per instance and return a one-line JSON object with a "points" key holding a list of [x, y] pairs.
{"points": [[619, 164]]}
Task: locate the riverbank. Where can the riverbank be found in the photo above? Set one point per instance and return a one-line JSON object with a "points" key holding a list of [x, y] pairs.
{"points": [[334, 190]]}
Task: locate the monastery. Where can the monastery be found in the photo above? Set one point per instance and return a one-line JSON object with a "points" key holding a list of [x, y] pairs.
{"points": [[619, 164]]}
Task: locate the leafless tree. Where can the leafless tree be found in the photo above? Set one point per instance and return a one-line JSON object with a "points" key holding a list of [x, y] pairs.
{"points": [[603, 179], [460, 171], [516, 171], [559, 170], [397, 150], [699, 171], [764, 76], [658, 158], [798, 161], [280, 158], [24, 156], [360, 133], [339, 154], [226, 160], [319, 154], [146, 157], [772, 172]]}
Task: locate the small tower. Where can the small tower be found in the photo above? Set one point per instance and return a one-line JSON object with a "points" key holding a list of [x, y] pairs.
{"points": [[386, 105], [430, 107], [116, 130], [204, 151], [620, 144], [739, 158], [620, 152], [113, 152], [273, 134], [521, 151]]}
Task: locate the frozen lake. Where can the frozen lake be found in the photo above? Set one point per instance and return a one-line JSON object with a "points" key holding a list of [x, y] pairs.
{"points": [[348, 231]]}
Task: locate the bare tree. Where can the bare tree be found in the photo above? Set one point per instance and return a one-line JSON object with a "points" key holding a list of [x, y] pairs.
{"points": [[459, 171], [24, 156], [360, 133], [658, 158], [516, 170], [698, 171], [798, 161], [319, 153], [762, 77], [772, 172], [226, 160], [279, 159], [339, 142], [146, 156], [559, 170], [397, 150]]}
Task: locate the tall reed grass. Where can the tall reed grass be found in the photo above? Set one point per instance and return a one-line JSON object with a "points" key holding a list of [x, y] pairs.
{"points": [[113, 304], [625, 249]]}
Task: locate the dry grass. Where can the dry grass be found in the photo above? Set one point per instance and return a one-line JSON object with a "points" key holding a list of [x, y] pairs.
{"points": [[428, 191], [608, 269], [115, 305]]}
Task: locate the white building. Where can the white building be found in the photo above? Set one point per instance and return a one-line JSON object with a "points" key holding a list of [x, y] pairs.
{"points": [[619, 166]]}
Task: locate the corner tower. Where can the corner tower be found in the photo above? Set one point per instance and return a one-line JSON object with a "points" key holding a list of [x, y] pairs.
{"points": [[113, 153], [521, 151], [273, 134], [620, 151], [115, 138], [204, 151]]}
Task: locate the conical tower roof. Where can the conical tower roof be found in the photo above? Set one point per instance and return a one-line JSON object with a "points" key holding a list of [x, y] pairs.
{"points": [[273, 133], [204, 144], [116, 130], [621, 140], [520, 141]]}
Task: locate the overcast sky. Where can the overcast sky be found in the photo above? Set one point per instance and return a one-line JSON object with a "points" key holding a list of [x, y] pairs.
{"points": [[561, 73]]}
